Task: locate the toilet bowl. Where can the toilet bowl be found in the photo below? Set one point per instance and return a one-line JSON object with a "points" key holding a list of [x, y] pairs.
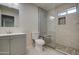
{"points": [[38, 42]]}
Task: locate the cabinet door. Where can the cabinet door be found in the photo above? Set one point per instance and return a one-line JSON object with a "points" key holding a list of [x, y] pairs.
{"points": [[18, 44], [4, 45]]}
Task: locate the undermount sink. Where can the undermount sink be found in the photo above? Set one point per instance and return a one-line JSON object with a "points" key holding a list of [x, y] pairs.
{"points": [[11, 34]]}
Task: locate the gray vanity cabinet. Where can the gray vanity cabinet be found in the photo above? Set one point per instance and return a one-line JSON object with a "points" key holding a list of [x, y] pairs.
{"points": [[13, 44], [18, 44], [4, 45]]}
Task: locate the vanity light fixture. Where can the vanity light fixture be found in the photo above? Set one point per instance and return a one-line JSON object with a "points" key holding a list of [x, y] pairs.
{"points": [[16, 3]]}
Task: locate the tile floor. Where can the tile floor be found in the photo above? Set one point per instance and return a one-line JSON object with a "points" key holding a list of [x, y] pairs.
{"points": [[47, 51]]}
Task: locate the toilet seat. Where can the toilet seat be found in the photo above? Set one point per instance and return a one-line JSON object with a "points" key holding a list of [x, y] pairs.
{"points": [[40, 41]]}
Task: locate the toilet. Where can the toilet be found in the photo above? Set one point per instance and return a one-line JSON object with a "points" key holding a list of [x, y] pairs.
{"points": [[38, 42]]}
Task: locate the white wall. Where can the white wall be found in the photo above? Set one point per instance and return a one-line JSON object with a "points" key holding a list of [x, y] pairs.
{"points": [[67, 34], [28, 20]]}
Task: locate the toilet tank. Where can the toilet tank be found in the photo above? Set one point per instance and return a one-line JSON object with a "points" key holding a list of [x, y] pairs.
{"points": [[35, 35]]}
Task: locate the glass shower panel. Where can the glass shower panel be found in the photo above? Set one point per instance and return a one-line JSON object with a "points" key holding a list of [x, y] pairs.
{"points": [[51, 32]]}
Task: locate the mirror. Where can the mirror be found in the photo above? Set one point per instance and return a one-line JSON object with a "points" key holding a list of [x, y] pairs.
{"points": [[9, 17], [7, 21]]}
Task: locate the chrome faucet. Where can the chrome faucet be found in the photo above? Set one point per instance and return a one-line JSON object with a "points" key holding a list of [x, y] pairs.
{"points": [[9, 32]]}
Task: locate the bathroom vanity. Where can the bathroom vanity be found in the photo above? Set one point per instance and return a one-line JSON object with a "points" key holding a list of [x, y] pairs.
{"points": [[12, 44]]}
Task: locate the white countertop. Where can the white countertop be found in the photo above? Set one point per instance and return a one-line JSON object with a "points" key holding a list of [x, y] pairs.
{"points": [[11, 34]]}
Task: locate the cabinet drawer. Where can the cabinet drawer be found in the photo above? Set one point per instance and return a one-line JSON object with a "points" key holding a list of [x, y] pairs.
{"points": [[18, 36], [4, 37]]}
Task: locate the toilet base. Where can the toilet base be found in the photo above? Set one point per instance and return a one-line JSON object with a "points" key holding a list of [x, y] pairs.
{"points": [[39, 48]]}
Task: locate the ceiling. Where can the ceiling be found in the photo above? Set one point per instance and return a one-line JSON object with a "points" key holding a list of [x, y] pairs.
{"points": [[11, 5], [48, 6]]}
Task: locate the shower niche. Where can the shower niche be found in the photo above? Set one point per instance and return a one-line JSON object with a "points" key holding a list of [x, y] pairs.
{"points": [[62, 21]]}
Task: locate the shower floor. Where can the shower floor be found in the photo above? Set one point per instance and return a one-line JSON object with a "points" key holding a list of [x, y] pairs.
{"points": [[67, 50]]}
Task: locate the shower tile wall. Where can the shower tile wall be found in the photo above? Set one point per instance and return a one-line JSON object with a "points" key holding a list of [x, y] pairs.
{"points": [[67, 36]]}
